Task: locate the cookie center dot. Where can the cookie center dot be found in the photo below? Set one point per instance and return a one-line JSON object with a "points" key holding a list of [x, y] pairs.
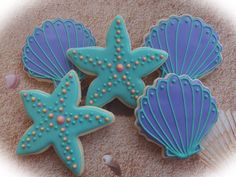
{"points": [[60, 119], [119, 67]]}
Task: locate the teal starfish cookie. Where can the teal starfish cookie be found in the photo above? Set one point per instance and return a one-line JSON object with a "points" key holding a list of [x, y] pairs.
{"points": [[119, 70], [58, 122]]}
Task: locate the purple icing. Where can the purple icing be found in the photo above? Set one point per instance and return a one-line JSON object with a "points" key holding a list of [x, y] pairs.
{"points": [[177, 112], [44, 55], [193, 46]]}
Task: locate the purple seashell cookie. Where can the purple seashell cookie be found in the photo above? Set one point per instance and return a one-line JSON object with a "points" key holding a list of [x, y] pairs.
{"points": [[193, 45], [176, 113], [44, 54]]}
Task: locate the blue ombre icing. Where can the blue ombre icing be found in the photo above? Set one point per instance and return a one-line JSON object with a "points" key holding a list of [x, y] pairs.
{"points": [[176, 113], [193, 45], [58, 122], [44, 54]]}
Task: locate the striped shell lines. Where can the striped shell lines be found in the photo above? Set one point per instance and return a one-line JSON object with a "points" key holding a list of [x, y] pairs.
{"points": [[176, 113], [44, 54], [193, 45]]}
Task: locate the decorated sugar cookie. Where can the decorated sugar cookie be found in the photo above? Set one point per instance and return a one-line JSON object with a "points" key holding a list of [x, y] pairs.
{"points": [[193, 45], [118, 69], [176, 113], [44, 54], [58, 122]]}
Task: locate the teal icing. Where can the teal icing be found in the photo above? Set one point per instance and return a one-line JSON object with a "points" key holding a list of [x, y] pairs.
{"points": [[58, 122], [118, 69], [176, 112]]}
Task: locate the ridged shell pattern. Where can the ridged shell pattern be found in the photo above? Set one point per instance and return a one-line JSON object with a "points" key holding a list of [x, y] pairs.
{"points": [[44, 54], [193, 45], [176, 112]]}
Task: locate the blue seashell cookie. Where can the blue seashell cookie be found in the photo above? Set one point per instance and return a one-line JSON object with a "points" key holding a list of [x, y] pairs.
{"points": [[44, 54], [58, 121], [176, 113], [118, 69], [193, 45]]}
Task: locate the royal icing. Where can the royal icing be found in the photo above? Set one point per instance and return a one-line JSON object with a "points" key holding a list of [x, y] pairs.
{"points": [[58, 122], [176, 113], [193, 45], [119, 70], [44, 54]]}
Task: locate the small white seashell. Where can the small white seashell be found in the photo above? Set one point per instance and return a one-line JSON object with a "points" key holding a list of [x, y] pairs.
{"points": [[12, 81], [113, 165]]}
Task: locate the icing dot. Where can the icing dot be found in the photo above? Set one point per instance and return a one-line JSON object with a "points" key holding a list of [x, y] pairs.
{"points": [[118, 32], [118, 40], [117, 22], [136, 62], [104, 91], [144, 59], [23, 146], [97, 117], [68, 119], [99, 62], [136, 97], [91, 102], [81, 57], [128, 83], [63, 129], [61, 100], [86, 116], [90, 60], [28, 139], [65, 138], [74, 51], [39, 104], [44, 110], [119, 67], [67, 84], [33, 99], [114, 76], [95, 95], [118, 49], [124, 77], [42, 128], [107, 119], [162, 57], [152, 57], [63, 91], [119, 57], [76, 117], [68, 157], [25, 94], [128, 65], [67, 148], [109, 84], [50, 115], [51, 125], [33, 133], [133, 91], [60, 119], [61, 109], [109, 65], [74, 166]]}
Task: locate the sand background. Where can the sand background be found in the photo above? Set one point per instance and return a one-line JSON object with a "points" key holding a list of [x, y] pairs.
{"points": [[137, 157]]}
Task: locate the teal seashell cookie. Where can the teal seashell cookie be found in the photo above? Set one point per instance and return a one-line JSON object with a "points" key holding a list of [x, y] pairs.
{"points": [[58, 122], [118, 69]]}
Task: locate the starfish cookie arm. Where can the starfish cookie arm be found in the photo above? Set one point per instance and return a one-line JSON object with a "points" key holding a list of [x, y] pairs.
{"points": [[130, 98], [117, 36], [90, 60], [71, 153], [146, 60], [33, 101], [68, 91], [32, 142], [99, 93], [90, 118]]}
